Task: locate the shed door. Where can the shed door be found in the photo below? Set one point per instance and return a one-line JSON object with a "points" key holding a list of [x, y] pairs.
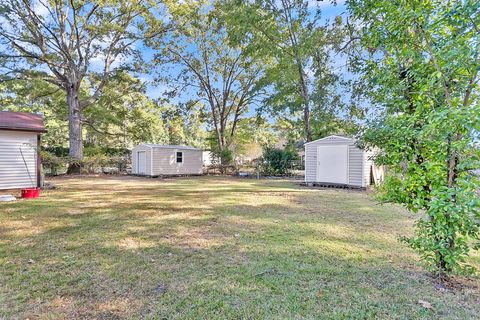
{"points": [[141, 162], [332, 163]]}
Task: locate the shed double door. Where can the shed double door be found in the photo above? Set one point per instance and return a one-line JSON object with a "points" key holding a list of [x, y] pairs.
{"points": [[332, 164]]}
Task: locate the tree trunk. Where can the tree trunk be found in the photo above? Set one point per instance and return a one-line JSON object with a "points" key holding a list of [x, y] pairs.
{"points": [[306, 98], [306, 119], [75, 129]]}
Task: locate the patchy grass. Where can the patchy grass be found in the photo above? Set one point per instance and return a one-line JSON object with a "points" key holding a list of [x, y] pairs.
{"points": [[214, 248]]}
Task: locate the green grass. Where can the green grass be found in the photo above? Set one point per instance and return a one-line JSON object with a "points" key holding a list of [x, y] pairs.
{"points": [[203, 248]]}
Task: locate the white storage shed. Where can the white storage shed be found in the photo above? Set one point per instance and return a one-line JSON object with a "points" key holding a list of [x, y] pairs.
{"points": [[336, 160], [20, 149], [162, 160]]}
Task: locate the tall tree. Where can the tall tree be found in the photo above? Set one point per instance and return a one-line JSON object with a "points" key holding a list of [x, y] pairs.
{"points": [[296, 48], [122, 116], [201, 61], [421, 61], [68, 44]]}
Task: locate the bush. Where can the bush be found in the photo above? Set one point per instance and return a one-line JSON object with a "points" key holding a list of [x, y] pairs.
{"points": [[52, 163], [277, 161], [96, 160]]}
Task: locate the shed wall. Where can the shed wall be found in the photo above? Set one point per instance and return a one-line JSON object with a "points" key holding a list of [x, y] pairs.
{"points": [[15, 172], [164, 162]]}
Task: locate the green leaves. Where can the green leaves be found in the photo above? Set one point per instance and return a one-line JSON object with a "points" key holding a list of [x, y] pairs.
{"points": [[296, 49], [424, 78]]}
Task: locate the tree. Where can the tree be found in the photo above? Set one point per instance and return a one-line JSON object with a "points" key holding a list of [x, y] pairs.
{"points": [[39, 97], [252, 136], [185, 123], [69, 44], [122, 116], [296, 48], [202, 61], [421, 61]]}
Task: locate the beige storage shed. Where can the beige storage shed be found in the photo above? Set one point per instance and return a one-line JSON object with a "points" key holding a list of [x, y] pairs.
{"points": [[336, 160], [162, 160]]}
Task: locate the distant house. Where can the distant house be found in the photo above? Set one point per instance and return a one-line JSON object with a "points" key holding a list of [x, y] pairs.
{"points": [[20, 149], [337, 160], [159, 160], [208, 158]]}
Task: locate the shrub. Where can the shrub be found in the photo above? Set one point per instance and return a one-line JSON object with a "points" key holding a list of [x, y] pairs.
{"points": [[96, 160], [277, 161], [51, 162]]}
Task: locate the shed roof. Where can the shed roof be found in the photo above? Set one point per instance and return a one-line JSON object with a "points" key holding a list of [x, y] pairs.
{"points": [[163, 146], [331, 137], [21, 121]]}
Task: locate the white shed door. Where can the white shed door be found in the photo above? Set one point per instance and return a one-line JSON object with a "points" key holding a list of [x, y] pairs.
{"points": [[332, 163], [141, 162]]}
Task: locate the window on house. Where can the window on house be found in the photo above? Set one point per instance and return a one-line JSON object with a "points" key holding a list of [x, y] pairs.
{"points": [[179, 157]]}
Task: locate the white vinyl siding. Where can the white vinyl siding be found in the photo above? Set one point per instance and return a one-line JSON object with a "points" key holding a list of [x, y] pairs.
{"points": [[358, 166], [355, 170], [165, 162], [17, 171]]}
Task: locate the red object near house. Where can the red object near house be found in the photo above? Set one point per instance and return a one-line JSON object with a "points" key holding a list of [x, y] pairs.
{"points": [[30, 193]]}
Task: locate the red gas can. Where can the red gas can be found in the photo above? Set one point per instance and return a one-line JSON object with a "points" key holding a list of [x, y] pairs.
{"points": [[30, 193]]}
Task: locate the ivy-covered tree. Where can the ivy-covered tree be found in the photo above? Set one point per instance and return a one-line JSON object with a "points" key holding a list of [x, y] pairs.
{"points": [[421, 61]]}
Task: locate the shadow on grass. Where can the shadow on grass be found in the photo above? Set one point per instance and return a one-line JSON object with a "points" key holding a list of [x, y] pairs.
{"points": [[219, 250]]}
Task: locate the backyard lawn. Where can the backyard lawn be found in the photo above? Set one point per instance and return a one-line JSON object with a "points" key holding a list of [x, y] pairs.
{"points": [[209, 247]]}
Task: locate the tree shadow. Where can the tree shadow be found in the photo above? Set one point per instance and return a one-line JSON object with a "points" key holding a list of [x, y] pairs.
{"points": [[103, 252]]}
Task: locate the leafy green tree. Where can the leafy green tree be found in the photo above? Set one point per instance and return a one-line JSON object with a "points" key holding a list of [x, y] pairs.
{"points": [[296, 48], [186, 123], [122, 117], [421, 61], [69, 43], [197, 58], [252, 136]]}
